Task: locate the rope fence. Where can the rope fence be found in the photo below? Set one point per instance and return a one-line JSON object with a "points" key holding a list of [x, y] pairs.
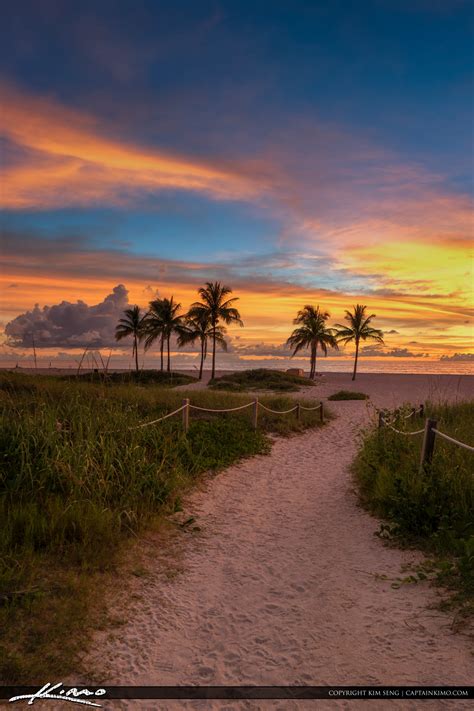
{"points": [[429, 432], [186, 407]]}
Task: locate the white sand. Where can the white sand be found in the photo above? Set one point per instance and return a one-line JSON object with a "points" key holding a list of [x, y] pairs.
{"points": [[280, 586]]}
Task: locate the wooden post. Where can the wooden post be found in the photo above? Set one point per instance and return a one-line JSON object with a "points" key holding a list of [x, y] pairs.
{"points": [[428, 443], [298, 411], [422, 410], [186, 414], [381, 422], [321, 410], [255, 413]]}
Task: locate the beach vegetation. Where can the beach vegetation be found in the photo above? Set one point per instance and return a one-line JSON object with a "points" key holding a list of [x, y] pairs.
{"points": [[259, 379], [348, 395], [78, 478], [431, 507]]}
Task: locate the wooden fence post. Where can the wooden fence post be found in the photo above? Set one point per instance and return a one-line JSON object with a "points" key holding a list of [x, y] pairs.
{"points": [[255, 413], [186, 414], [321, 410], [428, 443], [381, 422], [298, 411], [422, 410]]}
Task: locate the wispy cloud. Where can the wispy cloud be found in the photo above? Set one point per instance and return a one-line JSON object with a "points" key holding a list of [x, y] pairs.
{"points": [[71, 161]]}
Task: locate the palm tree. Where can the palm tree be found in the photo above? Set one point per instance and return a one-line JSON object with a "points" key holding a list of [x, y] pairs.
{"points": [[199, 328], [131, 325], [216, 306], [312, 332], [358, 330], [162, 320]]}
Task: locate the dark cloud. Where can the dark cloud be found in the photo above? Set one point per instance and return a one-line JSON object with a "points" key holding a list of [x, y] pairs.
{"points": [[393, 353], [459, 357], [69, 324]]}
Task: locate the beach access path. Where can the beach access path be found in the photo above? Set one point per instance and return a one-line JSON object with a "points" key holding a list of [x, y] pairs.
{"points": [[283, 582]]}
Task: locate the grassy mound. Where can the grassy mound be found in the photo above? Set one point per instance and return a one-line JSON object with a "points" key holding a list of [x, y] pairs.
{"points": [[143, 377], [75, 483], [348, 395], [260, 379], [433, 509]]}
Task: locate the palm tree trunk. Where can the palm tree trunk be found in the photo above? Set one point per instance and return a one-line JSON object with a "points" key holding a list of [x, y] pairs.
{"points": [[213, 351], [202, 360], [315, 356], [135, 348], [169, 356], [312, 362], [162, 345], [355, 360]]}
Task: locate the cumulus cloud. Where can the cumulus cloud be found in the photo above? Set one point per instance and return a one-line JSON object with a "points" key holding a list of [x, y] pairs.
{"points": [[69, 324]]}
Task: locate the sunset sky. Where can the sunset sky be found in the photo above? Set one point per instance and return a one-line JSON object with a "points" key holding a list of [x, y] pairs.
{"points": [[301, 152]]}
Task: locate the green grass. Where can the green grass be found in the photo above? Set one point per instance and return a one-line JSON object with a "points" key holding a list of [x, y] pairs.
{"points": [[143, 377], [75, 484], [260, 379], [348, 395], [434, 509]]}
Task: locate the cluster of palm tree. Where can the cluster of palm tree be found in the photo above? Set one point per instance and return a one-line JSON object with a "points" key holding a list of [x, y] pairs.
{"points": [[202, 323], [312, 332]]}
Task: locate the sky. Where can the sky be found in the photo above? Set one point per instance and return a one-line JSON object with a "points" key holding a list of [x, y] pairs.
{"points": [[302, 153]]}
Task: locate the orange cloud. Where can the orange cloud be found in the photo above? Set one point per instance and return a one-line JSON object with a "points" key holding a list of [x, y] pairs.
{"points": [[70, 162]]}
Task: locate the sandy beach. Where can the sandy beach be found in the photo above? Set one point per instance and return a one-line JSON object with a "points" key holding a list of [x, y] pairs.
{"points": [[283, 582]]}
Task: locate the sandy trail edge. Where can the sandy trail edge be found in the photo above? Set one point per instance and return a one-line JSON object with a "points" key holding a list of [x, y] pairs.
{"points": [[279, 587]]}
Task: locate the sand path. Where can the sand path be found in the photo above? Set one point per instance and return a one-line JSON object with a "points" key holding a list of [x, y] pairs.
{"points": [[280, 586]]}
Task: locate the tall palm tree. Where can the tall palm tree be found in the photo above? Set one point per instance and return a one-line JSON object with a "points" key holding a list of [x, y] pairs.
{"points": [[199, 328], [311, 333], [162, 320], [217, 307], [131, 325], [358, 330]]}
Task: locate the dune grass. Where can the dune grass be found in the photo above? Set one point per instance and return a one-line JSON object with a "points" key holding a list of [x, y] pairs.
{"points": [[348, 395], [433, 510], [143, 377], [260, 379], [75, 483]]}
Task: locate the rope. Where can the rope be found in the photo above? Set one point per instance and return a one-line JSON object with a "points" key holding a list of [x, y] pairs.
{"points": [[451, 439], [232, 409], [400, 431], [278, 412], [208, 409], [302, 407], [413, 413], [153, 422]]}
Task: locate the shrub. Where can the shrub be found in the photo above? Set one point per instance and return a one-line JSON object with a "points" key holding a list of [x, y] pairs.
{"points": [[260, 379], [348, 395]]}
